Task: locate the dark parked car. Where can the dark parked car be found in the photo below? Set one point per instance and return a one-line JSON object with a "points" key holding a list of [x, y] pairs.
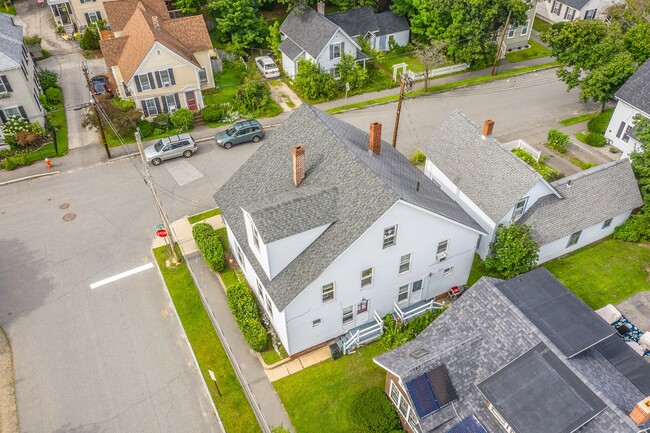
{"points": [[240, 132], [100, 85]]}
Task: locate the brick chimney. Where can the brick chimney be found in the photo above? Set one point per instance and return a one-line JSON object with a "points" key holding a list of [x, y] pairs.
{"points": [[298, 153], [488, 126], [641, 412], [375, 138], [321, 7]]}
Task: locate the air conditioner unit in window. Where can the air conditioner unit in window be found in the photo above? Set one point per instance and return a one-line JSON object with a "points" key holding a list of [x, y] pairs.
{"points": [[441, 257]]}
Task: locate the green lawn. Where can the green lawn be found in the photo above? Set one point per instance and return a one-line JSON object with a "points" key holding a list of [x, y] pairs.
{"points": [[535, 51], [607, 272], [540, 25], [319, 398], [582, 137], [270, 355], [578, 119], [412, 62], [8, 9], [113, 141], [203, 215], [234, 409]]}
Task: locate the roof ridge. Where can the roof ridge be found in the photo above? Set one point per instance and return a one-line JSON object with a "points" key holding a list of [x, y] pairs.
{"points": [[589, 172]]}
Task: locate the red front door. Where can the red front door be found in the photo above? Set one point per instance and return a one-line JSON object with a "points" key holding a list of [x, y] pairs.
{"points": [[190, 97]]}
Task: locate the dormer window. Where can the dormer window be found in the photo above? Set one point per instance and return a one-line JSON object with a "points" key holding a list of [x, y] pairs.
{"points": [[256, 237], [520, 207]]}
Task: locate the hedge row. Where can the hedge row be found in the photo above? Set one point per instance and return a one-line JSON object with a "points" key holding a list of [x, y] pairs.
{"points": [[210, 246], [244, 309]]}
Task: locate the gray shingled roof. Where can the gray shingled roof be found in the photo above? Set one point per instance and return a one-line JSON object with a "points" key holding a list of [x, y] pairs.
{"points": [[309, 30], [290, 49], [492, 177], [356, 22], [11, 43], [336, 155], [593, 196], [483, 332], [636, 90], [390, 23], [575, 4]]}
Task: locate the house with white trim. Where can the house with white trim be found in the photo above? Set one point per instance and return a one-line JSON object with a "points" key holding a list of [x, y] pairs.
{"points": [[556, 11], [163, 64], [633, 99], [517, 36], [497, 188], [333, 228]]}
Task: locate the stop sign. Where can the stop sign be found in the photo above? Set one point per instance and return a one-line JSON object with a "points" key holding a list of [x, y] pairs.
{"points": [[161, 233]]}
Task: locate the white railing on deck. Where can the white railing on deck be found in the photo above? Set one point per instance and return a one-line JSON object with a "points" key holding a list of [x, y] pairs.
{"points": [[442, 71]]}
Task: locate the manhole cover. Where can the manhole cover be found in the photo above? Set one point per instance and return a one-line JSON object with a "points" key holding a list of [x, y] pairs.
{"points": [[69, 216], [64, 206]]}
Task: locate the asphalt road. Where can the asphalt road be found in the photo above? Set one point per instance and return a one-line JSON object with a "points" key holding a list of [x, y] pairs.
{"points": [[112, 359]]}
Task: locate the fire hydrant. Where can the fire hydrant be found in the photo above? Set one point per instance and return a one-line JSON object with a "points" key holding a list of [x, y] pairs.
{"points": [[48, 163]]}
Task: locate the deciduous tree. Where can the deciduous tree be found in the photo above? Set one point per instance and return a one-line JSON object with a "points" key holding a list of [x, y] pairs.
{"points": [[513, 251], [237, 23], [431, 55]]}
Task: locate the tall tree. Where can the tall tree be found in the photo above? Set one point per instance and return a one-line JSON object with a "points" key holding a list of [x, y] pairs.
{"points": [[237, 23], [188, 7], [513, 252], [431, 56]]}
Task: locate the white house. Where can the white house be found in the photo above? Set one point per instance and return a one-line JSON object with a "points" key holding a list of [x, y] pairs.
{"points": [[497, 188], [633, 99], [320, 38], [334, 228], [557, 11]]}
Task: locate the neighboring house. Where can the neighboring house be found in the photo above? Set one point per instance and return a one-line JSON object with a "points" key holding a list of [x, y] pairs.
{"points": [[162, 64], [334, 228], [557, 11], [517, 37], [75, 15], [496, 187], [633, 99], [523, 355], [313, 36], [19, 86]]}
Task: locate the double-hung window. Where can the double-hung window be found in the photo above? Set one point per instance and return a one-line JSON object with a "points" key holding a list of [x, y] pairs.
{"points": [[441, 252], [259, 288], [165, 78], [145, 82], [366, 277], [150, 104], [511, 31], [269, 308], [328, 292], [524, 28], [348, 314], [390, 236], [590, 14], [11, 112], [574, 239], [203, 76], [4, 88], [170, 101], [569, 13], [557, 8], [336, 50], [256, 237], [403, 294], [520, 207], [404, 264]]}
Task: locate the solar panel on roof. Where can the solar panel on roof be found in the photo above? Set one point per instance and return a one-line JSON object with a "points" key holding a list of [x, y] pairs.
{"points": [[422, 396], [441, 385], [634, 367], [468, 425]]}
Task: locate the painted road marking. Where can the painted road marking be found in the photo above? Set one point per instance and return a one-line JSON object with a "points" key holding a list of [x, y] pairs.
{"points": [[183, 172], [122, 275]]}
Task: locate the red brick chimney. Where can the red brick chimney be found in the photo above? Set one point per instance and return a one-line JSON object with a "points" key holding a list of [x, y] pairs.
{"points": [[298, 153], [375, 137], [488, 126], [641, 412]]}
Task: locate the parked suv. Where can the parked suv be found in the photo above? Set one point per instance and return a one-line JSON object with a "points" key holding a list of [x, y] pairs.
{"points": [[240, 132], [170, 147]]}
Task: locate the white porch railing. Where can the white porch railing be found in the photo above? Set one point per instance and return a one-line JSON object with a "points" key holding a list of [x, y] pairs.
{"points": [[364, 335], [521, 144], [417, 311], [442, 71]]}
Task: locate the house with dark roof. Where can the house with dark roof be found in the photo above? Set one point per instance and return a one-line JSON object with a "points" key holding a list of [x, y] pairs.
{"points": [[556, 11], [19, 86], [497, 188], [523, 355], [163, 64], [314, 36], [334, 228], [633, 99]]}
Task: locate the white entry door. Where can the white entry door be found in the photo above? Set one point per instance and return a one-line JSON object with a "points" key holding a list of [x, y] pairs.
{"points": [[416, 292], [362, 311]]}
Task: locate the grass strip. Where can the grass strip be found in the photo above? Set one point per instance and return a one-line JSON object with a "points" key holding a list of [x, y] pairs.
{"points": [[203, 215], [233, 406], [535, 51], [578, 119], [447, 86]]}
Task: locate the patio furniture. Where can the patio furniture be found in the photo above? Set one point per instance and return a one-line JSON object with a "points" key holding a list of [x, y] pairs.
{"points": [[623, 330], [645, 340], [609, 313], [454, 293], [637, 347]]}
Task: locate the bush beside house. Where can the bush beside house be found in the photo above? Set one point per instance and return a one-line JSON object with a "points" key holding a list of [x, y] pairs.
{"points": [[244, 308], [210, 246]]}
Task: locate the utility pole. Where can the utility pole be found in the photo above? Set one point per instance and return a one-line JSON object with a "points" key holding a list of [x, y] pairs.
{"points": [[407, 82], [149, 181], [503, 36], [100, 126]]}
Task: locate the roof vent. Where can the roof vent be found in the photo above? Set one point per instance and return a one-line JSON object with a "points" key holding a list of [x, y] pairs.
{"points": [[419, 353], [568, 184]]}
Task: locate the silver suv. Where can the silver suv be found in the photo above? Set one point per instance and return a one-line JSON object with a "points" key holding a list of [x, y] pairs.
{"points": [[170, 147]]}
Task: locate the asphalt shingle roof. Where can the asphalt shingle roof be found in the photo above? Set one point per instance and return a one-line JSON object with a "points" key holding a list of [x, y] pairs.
{"points": [[290, 49], [483, 332], [336, 156], [575, 4], [491, 176], [356, 22], [309, 30], [11, 43], [636, 90], [390, 23], [588, 197]]}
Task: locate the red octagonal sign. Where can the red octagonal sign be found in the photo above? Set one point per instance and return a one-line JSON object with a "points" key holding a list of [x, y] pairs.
{"points": [[161, 233]]}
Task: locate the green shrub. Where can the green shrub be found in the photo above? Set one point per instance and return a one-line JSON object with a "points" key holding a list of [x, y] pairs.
{"points": [[636, 228], [214, 113], [53, 95], [557, 140], [161, 121], [123, 104], [244, 308], [182, 119], [418, 158], [90, 39], [548, 173], [146, 128], [598, 124], [582, 164], [32, 39], [398, 331], [313, 82], [47, 78], [9, 164], [24, 160], [251, 97], [372, 412], [255, 334], [595, 139], [210, 246]]}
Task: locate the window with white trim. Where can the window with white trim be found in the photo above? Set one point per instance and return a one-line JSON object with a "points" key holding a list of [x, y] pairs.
{"points": [[152, 110], [524, 28], [366, 277], [607, 223], [403, 294], [448, 271], [390, 236], [328, 292], [145, 83], [3, 88], [574, 239], [511, 31], [259, 288], [348, 314], [404, 263], [403, 406], [520, 207], [165, 78], [94, 16], [416, 286], [569, 13], [336, 72], [11, 112], [269, 308], [441, 251], [316, 323], [394, 393], [240, 256], [336, 50], [590, 14], [170, 101], [203, 76], [557, 8], [256, 236]]}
